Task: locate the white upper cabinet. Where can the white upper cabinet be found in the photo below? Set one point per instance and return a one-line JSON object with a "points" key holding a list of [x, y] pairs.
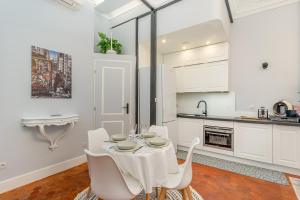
{"points": [[286, 146], [203, 69], [253, 141], [206, 54], [210, 77], [188, 129]]}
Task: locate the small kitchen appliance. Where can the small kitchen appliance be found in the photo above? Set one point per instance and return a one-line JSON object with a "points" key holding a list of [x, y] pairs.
{"points": [[263, 113], [281, 107]]}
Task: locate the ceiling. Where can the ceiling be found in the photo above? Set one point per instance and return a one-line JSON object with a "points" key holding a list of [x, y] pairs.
{"points": [[192, 37], [114, 8], [110, 5], [242, 8]]}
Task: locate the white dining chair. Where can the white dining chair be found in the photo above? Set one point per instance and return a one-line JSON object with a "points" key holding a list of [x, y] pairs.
{"points": [[96, 140], [182, 180], [107, 181], [161, 131]]}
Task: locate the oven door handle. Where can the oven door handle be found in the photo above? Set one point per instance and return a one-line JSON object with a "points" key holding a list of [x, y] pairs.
{"points": [[218, 134]]}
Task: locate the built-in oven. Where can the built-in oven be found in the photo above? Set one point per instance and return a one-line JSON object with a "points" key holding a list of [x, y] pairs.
{"points": [[218, 137]]}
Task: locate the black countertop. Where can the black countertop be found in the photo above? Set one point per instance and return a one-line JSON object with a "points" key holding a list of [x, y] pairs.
{"points": [[238, 119]]}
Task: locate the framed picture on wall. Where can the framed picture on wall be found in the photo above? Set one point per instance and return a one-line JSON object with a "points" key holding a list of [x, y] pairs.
{"points": [[51, 74]]}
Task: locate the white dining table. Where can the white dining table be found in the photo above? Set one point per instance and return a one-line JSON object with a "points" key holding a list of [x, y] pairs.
{"points": [[149, 165]]}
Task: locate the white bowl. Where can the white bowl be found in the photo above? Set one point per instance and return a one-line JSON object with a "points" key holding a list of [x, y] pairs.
{"points": [[149, 135], [126, 145], [157, 141], [119, 137]]}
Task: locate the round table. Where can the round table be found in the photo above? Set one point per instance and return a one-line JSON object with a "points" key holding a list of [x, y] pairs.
{"points": [[149, 165]]}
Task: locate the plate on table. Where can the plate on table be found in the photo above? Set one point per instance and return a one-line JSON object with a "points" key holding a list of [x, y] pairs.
{"points": [[129, 150], [149, 135], [126, 145], [118, 137], [157, 142]]}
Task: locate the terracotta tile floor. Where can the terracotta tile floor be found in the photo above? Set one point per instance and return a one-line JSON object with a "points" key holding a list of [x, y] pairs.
{"points": [[211, 183]]}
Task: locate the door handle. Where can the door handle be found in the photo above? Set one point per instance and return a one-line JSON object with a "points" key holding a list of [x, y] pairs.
{"points": [[127, 108]]}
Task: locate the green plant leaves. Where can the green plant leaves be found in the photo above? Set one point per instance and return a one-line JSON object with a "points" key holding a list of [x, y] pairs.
{"points": [[105, 42]]}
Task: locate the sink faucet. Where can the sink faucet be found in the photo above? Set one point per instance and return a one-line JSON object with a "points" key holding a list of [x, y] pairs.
{"points": [[205, 111]]}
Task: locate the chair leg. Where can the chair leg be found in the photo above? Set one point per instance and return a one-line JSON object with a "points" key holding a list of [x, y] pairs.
{"points": [[156, 191], [163, 193], [134, 198], [88, 194], [183, 193], [189, 192], [147, 196]]}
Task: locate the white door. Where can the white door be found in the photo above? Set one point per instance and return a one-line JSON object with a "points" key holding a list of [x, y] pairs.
{"points": [[169, 94], [113, 93], [286, 146], [253, 141]]}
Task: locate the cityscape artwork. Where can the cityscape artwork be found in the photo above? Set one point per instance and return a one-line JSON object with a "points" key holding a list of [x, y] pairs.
{"points": [[51, 74]]}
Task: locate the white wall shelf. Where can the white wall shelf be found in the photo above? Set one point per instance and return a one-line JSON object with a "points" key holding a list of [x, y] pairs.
{"points": [[42, 122]]}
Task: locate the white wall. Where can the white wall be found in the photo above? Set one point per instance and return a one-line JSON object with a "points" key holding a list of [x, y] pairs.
{"points": [[126, 36], [101, 25], [274, 37], [49, 25]]}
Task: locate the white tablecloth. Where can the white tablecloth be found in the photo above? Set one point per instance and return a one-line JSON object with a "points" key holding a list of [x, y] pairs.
{"points": [[149, 165]]}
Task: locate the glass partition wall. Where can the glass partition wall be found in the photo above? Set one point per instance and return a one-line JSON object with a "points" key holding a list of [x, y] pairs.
{"points": [[155, 83], [144, 83]]}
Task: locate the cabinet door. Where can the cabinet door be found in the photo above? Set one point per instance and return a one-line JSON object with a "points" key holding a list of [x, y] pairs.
{"points": [[212, 77], [253, 141], [188, 129], [286, 146], [211, 53]]}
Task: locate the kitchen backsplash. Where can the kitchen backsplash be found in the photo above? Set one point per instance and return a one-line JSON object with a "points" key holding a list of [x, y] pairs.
{"points": [[220, 104]]}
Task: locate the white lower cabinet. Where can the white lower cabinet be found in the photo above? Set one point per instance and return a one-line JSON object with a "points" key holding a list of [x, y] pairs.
{"points": [[286, 146], [188, 129], [253, 141]]}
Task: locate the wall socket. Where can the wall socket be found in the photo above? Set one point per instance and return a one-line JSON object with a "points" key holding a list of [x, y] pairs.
{"points": [[3, 165]]}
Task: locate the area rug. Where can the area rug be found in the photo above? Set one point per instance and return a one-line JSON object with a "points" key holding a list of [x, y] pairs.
{"points": [[247, 170], [171, 195], [296, 185]]}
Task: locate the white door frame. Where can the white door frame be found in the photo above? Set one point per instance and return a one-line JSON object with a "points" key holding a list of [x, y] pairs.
{"points": [[117, 58]]}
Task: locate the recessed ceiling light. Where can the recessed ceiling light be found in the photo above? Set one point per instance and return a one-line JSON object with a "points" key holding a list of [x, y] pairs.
{"points": [[97, 2], [163, 41], [185, 45], [208, 43]]}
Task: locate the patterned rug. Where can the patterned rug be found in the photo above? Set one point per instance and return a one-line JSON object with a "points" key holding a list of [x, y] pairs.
{"points": [[171, 195], [247, 170]]}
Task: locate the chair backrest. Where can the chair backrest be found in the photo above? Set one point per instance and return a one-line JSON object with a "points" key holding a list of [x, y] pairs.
{"points": [[107, 181], [96, 140], [187, 174], [161, 131]]}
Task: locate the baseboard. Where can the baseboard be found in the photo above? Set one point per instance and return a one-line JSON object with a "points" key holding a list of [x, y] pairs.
{"points": [[245, 161], [30, 177]]}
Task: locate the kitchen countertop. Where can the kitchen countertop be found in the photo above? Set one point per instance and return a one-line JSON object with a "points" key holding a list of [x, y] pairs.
{"points": [[238, 119]]}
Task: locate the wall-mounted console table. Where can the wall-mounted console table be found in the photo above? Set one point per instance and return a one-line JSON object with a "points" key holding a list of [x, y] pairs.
{"points": [[53, 120]]}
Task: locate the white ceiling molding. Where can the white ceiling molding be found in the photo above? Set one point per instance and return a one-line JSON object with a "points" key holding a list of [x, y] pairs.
{"points": [[105, 6], [124, 9], [242, 8]]}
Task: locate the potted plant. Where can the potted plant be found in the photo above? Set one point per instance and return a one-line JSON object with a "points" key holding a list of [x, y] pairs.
{"points": [[105, 44]]}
